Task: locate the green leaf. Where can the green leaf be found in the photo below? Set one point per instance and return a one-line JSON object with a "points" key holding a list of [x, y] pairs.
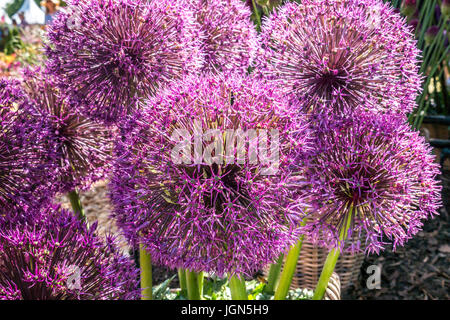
{"points": [[162, 290]]}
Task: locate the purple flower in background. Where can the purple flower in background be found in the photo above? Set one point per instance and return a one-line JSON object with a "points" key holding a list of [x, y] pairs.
{"points": [[337, 56], [206, 206], [445, 8], [408, 7], [21, 149], [113, 52], [50, 255], [431, 34], [378, 171], [229, 39], [79, 150]]}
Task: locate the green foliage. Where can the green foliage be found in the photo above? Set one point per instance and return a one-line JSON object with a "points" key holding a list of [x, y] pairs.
{"points": [[434, 98], [217, 289], [10, 41], [14, 6], [162, 290]]}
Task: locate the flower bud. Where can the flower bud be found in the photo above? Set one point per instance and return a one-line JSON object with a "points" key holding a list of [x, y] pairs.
{"points": [[408, 7], [437, 12], [414, 23], [445, 8], [431, 34]]}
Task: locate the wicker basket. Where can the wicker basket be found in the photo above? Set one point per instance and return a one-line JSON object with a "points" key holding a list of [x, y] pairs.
{"points": [[333, 291], [311, 261], [310, 264]]}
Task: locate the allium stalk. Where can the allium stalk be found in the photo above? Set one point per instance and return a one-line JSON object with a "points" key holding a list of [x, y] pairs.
{"points": [[337, 56], [289, 269], [238, 288], [274, 275], [330, 262], [114, 52], [257, 15], [193, 285], [145, 262], [77, 207], [182, 280]]}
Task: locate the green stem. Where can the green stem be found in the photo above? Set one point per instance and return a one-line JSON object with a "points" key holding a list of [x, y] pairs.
{"points": [[200, 278], [238, 288], [145, 261], [257, 15], [330, 262], [193, 288], [325, 276], [288, 271], [182, 279], [75, 201], [274, 275]]}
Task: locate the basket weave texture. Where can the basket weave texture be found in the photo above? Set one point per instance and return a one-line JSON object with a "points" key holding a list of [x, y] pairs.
{"points": [[333, 291], [311, 261]]}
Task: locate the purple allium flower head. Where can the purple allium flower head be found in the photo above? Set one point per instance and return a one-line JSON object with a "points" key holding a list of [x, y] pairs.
{"points": [[338, 55], [78, 149], [21, 148], [377, 170], [53, 256], [220, 214], [229, 36], [113, 52]]}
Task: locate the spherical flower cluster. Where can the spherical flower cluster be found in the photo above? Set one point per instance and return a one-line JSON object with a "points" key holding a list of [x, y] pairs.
{"points": [[113, 52], [373, 175], [190, 185], [229, 39], [21, 148], [52, 256], [79, 150], [336, 56]]}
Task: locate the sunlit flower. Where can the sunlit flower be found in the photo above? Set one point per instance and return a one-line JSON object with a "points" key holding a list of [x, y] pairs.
{"points": [[79, 150], [53, 256], [336, 56], [21, 149], [229, 40], [223, 213], [374, 173], [113, 52]]}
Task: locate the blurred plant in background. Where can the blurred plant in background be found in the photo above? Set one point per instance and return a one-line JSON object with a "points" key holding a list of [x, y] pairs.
{"points": [[430, 19], [19, 48], [9, 39]]}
